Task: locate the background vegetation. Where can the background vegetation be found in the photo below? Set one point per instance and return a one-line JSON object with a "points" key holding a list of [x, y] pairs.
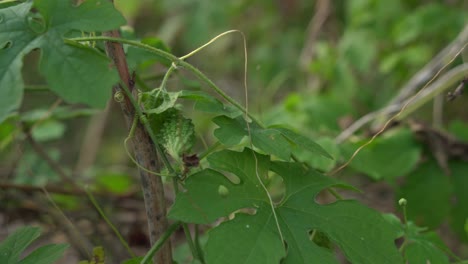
{"points": [[317, 66]]}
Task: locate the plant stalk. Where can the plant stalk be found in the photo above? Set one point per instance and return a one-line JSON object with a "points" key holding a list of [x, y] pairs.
{"points": [[145, 153]]}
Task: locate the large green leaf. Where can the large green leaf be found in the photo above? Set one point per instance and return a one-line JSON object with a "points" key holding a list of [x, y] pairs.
{"points": [[77, 73], [394, 154], [11, 54], [361, 233], [209, 104]]}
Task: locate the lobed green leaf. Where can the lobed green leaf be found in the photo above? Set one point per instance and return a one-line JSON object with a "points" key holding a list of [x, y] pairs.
{"points": [[362, 234], [76, 72]]}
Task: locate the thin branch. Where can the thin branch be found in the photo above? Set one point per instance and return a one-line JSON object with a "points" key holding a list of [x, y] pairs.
{"points": [[410, 105], [79, 241], [322, 8], [61, 190], [91, 141], [438, 111], [425, 75], [428, 71], [52, 163]]}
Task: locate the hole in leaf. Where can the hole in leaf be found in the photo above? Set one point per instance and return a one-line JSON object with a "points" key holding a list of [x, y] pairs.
{"points": [[399, 241], [276, 188], [324, 197], [341, 256], [36, 23], [232, 177], [320, 239], [6, 45], [249, 211], [223, 191]]}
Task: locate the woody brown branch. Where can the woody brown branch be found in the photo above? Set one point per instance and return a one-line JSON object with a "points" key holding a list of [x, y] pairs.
{"points": [[146, 156]]}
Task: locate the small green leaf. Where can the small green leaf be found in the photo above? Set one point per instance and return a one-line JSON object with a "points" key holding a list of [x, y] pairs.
{"points": [[8, 131], [47, 254], [135, 260], [158, 101], [301, 141], [67, 202], [42, 173], [48, 130], [321, 162], [114, 182], [12, 247], [209, 104], [271, 141], [230, 131]]}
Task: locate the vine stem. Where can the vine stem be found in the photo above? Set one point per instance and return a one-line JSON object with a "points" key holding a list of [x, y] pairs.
{"points": [[174, 59], [179, 61]]}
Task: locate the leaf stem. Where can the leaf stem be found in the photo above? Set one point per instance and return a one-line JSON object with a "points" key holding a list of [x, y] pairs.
{"points": [[190, 243], [36, 88], [167, 75], [195, 253], [209, 150], [103, 215], [197, 243], [160, 242]]}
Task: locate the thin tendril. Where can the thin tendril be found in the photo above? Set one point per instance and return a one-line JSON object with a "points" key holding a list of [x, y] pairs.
{"points": [[257, 174]]}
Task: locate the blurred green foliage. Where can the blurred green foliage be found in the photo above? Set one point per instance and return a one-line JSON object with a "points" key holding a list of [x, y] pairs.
{"points": [[363, 54]]}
